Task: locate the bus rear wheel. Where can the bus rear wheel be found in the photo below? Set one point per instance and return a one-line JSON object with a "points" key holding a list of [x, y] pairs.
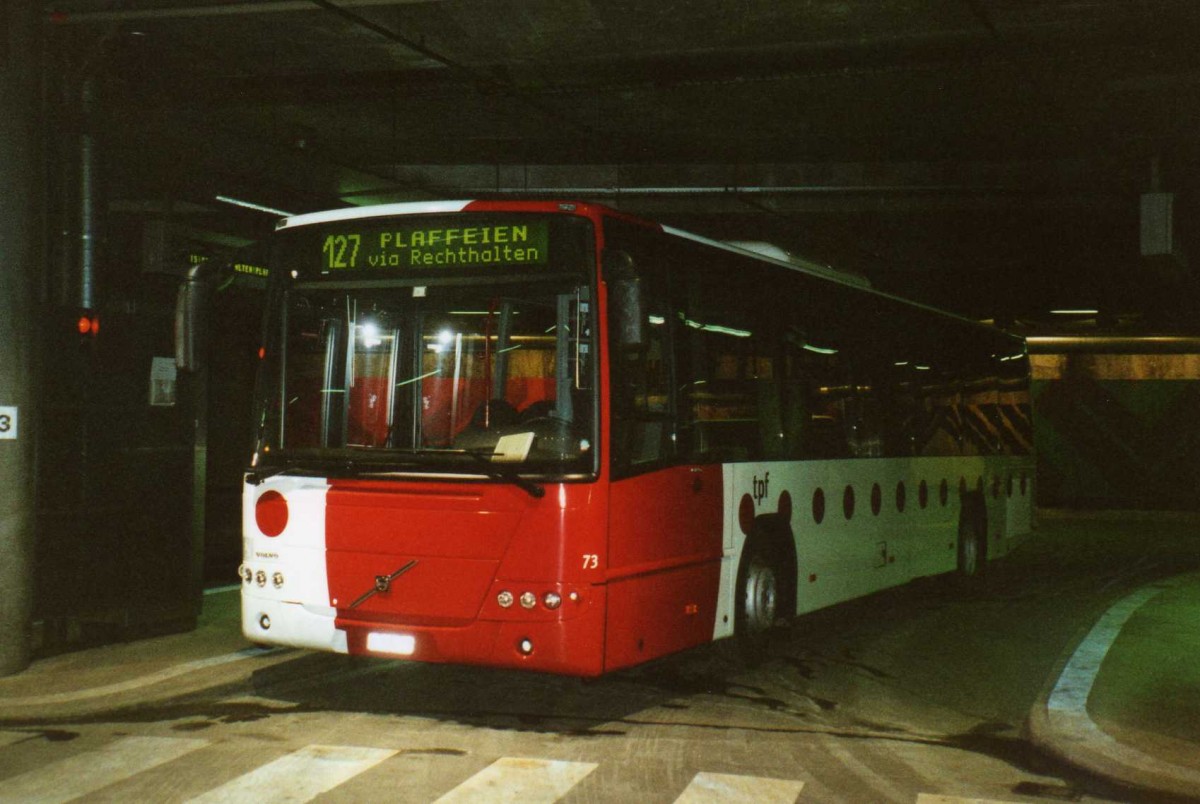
{"points": [[757, 600], [972, 538]]}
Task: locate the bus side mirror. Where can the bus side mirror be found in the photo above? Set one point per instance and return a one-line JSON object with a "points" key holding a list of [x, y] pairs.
{"points": [[626, 299], [192, 303]]}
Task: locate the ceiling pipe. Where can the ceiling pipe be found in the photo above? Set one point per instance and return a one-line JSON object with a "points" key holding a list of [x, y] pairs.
{"points": [[715, 190], [222, 10], [87, 198]]}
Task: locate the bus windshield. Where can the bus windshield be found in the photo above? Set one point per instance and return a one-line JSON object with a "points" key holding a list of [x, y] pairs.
{"points": [[388, 363]]}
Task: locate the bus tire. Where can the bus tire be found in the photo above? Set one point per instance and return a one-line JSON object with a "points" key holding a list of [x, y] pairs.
{"points": [[757, 601], [972, 537]]}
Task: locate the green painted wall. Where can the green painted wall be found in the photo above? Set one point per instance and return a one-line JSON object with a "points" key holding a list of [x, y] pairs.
{"points": [[1118, 443]]}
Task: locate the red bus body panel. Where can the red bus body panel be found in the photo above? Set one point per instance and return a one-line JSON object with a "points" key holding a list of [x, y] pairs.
{"points": [[665, 549], [470, 541]]}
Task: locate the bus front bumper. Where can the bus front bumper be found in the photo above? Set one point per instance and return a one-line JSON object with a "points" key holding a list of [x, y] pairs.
{"points": [[569, 646]]}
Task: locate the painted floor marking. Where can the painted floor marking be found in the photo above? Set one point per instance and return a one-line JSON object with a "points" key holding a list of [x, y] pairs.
{"points": [[8, 738], [723, 788], [1066, 708], [88, 772], [520, 781], [1075, 684], [886, 790], [300, 776], [141, 681], [927, 798]]}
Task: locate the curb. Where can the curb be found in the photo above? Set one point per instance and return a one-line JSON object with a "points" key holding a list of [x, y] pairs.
{"points": [[1060, 726]]}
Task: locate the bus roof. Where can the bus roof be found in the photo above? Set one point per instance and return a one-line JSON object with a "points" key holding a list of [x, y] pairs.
{"points": [[523, 205], [373, 211]]}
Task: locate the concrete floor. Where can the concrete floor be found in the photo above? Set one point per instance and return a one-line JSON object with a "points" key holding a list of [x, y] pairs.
{"points": [[919, 694]]}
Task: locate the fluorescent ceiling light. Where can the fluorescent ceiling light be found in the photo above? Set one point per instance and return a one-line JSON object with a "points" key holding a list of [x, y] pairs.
{"points": [[737, 333], [237, 202], [1075, 312], [479, 312]]}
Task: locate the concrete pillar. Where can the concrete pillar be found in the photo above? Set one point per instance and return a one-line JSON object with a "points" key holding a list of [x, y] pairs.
{"points": [[20, 267]]}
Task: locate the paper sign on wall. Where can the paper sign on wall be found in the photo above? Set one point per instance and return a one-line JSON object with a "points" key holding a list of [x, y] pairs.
{"points": [[162, 382]]}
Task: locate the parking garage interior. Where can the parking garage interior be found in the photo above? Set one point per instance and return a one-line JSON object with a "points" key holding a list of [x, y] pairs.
{"points": [[1008, 163], [1031, 165]]}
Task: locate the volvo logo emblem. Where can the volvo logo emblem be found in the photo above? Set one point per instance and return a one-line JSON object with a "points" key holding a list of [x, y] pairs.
{"points": [[383, 584]]}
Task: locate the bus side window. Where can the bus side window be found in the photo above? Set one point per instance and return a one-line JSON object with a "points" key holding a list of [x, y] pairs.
{"points": [[793, 401], [982, 421], [731, 404], [641, 420], [1013, 411], [941, 433], [640, 401], [816, 390], [863, 417]]}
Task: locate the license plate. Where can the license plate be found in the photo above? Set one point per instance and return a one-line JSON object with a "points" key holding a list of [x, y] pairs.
{"points": [[395, 644]]}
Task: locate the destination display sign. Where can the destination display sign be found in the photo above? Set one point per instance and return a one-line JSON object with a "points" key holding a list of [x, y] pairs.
{"points": [[399, 247]]}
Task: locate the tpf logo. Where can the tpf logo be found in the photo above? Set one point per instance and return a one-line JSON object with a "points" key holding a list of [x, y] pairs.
{"points": [[760, 487]]}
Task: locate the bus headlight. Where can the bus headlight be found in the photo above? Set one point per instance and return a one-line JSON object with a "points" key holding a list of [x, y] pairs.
{"points": [[277, 580], [528, 600], [260, 578], [505, 599], [552, 600]]}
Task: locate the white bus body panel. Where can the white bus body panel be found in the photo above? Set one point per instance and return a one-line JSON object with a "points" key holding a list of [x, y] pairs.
{"points": [[840, 557], [300, 612]]}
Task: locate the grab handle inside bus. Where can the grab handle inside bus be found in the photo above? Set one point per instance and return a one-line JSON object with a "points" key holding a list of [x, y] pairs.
{"points": [[626, 298]]}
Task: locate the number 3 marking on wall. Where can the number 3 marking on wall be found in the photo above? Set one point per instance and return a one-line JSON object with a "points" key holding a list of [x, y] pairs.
{"points": [[8, 423], [591, 561]]}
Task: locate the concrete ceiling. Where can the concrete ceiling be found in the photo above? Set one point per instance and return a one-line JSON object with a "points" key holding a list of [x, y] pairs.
{"points": [[986, 155]]}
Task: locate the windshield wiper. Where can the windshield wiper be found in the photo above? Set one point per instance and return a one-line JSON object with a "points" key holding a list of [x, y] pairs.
{"points": [[501, 472], [345, 467], [257, 476], [318, 467], [492, 470]]}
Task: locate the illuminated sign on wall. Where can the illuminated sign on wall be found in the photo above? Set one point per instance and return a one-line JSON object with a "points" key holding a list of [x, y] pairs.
{"points": [[249, 275]]}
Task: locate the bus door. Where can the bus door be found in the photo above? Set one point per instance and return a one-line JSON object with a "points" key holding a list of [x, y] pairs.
{"points": [[665, 522]]}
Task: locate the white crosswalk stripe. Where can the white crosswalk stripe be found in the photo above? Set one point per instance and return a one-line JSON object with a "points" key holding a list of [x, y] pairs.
{"points": [[300, 776], [723, 788], [317, 769], [528, 781], [884, 788], [92, 770]]}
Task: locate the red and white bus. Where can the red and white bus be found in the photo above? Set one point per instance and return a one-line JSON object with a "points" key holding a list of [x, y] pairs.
{"points": [[554, 437]]}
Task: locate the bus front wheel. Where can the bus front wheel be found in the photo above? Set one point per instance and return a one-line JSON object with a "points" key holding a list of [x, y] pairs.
{"points": [[758, 597]]}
